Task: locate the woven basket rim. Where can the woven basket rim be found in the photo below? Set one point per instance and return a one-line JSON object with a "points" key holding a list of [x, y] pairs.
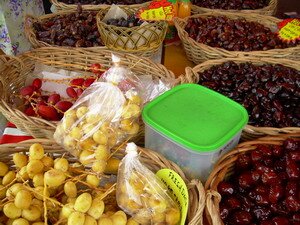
{"points": [[185, 35], [271, 6], [31, 34], [222, 168], [195, 188], [192, 76]]}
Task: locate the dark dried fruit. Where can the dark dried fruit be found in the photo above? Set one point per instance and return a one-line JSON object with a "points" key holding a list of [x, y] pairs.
{"points": [[107, 2], [233, 5]]}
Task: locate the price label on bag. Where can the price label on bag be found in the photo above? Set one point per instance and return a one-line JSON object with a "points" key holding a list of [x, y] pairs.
{"points": [[178, 190], [289, 30], [157, 10]]}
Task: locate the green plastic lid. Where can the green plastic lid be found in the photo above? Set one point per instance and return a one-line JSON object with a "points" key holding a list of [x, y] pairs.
{"points": [[196, 117]]}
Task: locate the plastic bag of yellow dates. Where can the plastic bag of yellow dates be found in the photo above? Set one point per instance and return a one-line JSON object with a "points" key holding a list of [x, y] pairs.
{"points": [[141, 194]]}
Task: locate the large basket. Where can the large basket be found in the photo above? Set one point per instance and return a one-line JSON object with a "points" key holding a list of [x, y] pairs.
{"points": [[223, 169], [14, 72], [62, 6], [31, 35], [151, 159], [250, 132], [268, 10], [144, 40], [198, 52]]}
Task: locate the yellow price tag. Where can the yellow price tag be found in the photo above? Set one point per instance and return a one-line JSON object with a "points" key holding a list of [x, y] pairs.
{"points": [[153, 14], [290, 31], [178, 190]]}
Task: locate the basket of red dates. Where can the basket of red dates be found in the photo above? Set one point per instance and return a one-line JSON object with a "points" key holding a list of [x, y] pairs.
{"points": [[268, 88], [257, 183], [264, 7], [219, 35]]}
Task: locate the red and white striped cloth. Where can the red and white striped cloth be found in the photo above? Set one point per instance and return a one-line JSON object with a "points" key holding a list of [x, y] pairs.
{"points": [[13, 135]]}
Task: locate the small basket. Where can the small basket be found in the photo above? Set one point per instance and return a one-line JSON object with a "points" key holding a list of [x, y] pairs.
{"points": [[31, 35], [249, 132], [62, 6], [15, 71], [268, 10], [198, 52], [151, 159], [223, 169], [144, 40]]}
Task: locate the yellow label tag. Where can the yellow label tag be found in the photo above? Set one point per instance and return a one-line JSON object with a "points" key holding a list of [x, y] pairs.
{"points": [[290, 31], [178, 190], [153, 14]]}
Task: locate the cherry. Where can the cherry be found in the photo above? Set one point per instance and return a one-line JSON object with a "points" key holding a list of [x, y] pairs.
{"points": [[246, 180], [269, 177], [37, 83], [225, 188]]}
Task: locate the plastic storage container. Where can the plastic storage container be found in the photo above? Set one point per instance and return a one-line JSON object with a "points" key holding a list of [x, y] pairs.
{"points": [[193, 126]]}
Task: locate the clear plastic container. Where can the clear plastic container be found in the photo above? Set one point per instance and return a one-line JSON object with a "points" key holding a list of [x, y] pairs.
{"points": [[193, 126]]}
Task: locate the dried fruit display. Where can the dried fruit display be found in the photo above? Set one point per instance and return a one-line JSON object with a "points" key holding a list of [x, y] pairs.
{"points": [[234, 35], [131, 21], [52, 106], [232, 4], [264, 188], [108, 2], [270, 93], [43, 190], [78, 29]]}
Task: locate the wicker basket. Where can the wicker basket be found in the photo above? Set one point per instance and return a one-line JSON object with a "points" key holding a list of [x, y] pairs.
{"points": [[250, 132], [144, 40], [224, 167], [14, 72], [62, 6], [151, 159], [31, 35], [198, 52], [268, 10]]}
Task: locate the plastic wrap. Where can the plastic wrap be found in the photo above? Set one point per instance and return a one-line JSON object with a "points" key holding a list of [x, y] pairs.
{"points": [[141, 194]]}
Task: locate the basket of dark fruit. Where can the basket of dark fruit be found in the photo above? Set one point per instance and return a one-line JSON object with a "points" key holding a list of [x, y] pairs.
{"points": [[264, 7], [73, 28], [257, 183], [228, 35], [97, 4], [268, 88], [130, 34]]}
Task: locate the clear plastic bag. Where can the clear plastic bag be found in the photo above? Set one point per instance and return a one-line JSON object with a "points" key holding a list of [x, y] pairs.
{"points": [[141, 194]]}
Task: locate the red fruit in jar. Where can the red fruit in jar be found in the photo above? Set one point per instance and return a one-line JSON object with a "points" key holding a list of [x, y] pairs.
{"points": [[47, 112], [37, 83], [269, 177], [26, 91], [63, 105], [79, 91], [243, 161], [78, 82], [246, 180], [292, 203], [29, 111], [88, 82], [242, 218], [256, 156], [71, 92], [95, 68], [262, 213], [279, 220], [291, 145], [53, 99], [233, 202], [276, 192], [225, 188], [293, 170], [277, 150]]}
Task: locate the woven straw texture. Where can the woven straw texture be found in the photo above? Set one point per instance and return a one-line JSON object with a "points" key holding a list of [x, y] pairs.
{"points": [[144, 40], [249, 132], [30, 31], [62, 6], [14, 72], [198, 52], [224, 167], [268, 10], [151, 159]]}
